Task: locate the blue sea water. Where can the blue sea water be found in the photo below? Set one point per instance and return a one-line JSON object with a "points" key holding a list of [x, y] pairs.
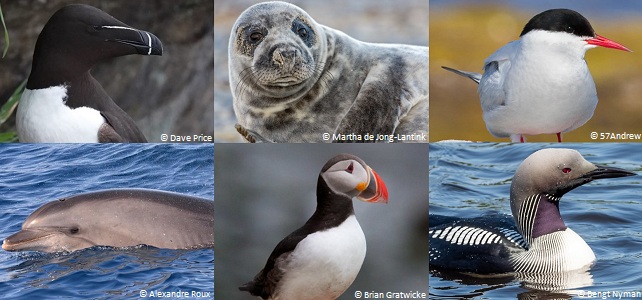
{"points": [[470, 179], [34, 174]]}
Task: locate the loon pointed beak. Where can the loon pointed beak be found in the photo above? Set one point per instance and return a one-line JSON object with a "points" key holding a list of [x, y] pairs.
{"points": [[375, 191], [600, 172], [607, 172]]}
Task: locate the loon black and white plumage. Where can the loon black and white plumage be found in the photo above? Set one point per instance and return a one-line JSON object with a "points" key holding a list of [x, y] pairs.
{"points": [[62, 101], [537, 240], [321, 259]]}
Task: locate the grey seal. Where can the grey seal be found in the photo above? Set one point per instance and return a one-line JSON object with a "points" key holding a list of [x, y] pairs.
{"points": [[294, 80], [118, 218]]}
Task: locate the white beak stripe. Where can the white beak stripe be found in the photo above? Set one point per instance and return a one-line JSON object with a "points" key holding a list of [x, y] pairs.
{"points": [[149, 43]]}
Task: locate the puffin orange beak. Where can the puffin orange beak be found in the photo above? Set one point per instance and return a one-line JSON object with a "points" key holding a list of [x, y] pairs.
{"points": [[375, 191]]}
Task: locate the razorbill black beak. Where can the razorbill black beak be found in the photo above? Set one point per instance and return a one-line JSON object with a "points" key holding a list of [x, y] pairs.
{"points": [[144, 42]]}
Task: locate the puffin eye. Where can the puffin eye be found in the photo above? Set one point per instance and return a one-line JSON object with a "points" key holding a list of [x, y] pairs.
{"points": [[566, 170], [350, 168]]}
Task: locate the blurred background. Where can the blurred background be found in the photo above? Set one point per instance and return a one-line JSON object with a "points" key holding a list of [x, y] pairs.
{"points": [[266, 191], [465, 32], [169, 94], [376, 21]]}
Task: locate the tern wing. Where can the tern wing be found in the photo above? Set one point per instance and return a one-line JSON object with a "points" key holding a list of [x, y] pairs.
{"points": [[492, 91], [472, 75]]}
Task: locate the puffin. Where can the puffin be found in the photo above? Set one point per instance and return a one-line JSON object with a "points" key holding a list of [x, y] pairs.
{"points": [[62, 102], [321, 259]]}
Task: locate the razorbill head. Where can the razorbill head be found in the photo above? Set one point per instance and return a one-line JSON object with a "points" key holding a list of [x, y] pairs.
{"points": [[321, 259], [540, 83], [62, 101]]}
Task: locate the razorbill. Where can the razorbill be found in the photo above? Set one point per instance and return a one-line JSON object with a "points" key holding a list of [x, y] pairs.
{"points": [[62, 102], [321, 259]]}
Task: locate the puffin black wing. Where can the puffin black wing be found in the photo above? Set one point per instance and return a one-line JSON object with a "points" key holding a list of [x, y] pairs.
{"points": [[265, 282], [480, 245]]}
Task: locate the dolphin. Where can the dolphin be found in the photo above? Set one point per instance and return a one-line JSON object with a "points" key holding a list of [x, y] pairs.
{"points": [[117, 218]]}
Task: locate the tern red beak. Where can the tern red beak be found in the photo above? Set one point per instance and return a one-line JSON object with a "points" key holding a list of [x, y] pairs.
{"points": [[601, 41], [376, 191]]}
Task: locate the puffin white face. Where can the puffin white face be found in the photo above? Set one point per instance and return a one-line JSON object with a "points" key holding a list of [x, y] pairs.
{"points": [[351, 178]]}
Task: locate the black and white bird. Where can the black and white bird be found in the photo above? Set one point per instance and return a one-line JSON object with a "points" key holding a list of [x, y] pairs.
{"points": [[540, 83], [321, 259], [62, 101], [536, 240]]}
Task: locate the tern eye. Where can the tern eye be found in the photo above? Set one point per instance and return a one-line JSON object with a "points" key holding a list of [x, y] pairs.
{"points": [[570, 29], [350, 168], [566, 170]]}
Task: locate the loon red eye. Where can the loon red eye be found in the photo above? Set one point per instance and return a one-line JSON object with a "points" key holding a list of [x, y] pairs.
{"points": [[566, 170], [350, 168]]}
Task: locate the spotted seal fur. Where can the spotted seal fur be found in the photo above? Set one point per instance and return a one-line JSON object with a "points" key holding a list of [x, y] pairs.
{"points": [[294, 80]]}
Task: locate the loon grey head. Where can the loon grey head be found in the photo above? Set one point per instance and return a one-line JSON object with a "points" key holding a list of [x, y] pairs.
{"points": [[540, 182]]}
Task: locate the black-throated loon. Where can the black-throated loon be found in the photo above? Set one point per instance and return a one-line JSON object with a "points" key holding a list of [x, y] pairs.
{"points": [[537, 241]]}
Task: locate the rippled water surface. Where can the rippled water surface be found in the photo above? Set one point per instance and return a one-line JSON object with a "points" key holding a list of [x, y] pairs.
{"points": [[31, 175], [469, 179]]}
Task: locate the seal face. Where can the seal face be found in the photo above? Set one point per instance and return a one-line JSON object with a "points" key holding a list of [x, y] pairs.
{"points": [[276, 52], [294, 80]]}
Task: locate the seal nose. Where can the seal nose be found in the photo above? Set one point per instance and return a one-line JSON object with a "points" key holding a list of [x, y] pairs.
{"points": [[285, 58], [288, 54]]}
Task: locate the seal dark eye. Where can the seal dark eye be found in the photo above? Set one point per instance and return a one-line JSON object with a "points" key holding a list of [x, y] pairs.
{"points": [[303, 33], [73, 230], [249, 37], [256, 36], [301, 28]]}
